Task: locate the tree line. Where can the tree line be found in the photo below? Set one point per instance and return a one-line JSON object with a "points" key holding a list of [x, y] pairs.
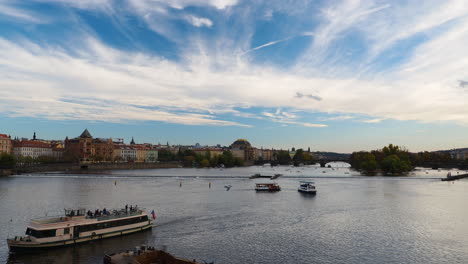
{"points": [[396, 160], [190, 158]]}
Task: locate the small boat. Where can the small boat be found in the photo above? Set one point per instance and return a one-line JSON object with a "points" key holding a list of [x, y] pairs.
{"points": [[267, 187], [146, 255], [276, 176], [77, 226], [258, 175], [307, 187], [228, 187]]}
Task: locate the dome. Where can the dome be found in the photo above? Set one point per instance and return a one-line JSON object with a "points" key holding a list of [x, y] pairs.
{"points": [[241, 144]]}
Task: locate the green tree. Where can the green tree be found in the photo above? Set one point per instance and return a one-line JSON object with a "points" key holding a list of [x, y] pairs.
{"points": [[283, 157], [205, 163], [166, 155], [7, 161], [394, 165], [189, 161]]}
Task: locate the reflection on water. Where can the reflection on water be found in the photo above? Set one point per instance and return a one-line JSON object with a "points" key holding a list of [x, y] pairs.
{"points": [[352, 219]]}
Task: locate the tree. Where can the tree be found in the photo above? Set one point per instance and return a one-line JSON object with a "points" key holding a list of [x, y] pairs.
{"points": [[205, 163], [303, 157], [394, 165], [283, 157], [189, 161], [7, 161], [391, 159], [165, 155]]}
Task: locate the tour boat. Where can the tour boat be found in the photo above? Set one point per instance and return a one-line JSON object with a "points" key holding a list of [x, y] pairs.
{"points": [[76, 226], [307, 187], [267, 187]]}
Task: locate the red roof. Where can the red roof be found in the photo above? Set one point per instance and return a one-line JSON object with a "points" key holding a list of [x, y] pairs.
{"points": [[4, 136], [31, 144]]}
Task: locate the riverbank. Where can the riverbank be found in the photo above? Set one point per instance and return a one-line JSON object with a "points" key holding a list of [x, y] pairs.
{"points": [[74, 167]]}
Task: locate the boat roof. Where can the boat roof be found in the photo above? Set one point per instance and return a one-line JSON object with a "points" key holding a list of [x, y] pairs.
{"points": [[55, 222], [308, 182]]}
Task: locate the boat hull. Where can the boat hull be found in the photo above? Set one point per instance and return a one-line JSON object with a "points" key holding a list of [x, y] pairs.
{"points": [[307, 191], [23, 246], [269, 190]]}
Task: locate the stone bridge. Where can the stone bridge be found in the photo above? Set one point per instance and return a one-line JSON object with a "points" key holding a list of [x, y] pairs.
{"points": [[323, 162]]}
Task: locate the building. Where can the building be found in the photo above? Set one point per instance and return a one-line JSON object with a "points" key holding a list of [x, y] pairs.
{"points": [[33, 149], [459, 154], [6, 145], [86, 149], [151, 155], [214, 152], [263, 154], [128, 153], [242, 149], [140, 153], [103, 149]]}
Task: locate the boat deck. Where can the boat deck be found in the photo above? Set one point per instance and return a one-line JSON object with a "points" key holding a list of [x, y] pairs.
{"points": [[59, 221]]}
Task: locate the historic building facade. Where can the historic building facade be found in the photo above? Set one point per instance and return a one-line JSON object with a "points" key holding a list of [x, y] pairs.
{"points": [[86, 149], [33, 149], [5, 144], [242, 149]]}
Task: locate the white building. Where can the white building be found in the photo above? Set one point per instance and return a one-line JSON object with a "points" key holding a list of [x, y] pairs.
{"points": [[33, 149], [128, 153]]}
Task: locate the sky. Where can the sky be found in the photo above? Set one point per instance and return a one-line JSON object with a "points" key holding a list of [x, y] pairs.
{"points": [[332, 75]]}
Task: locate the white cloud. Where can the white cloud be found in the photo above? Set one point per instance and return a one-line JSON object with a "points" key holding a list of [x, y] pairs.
{"points": [[209, 81], [288, 118], [219, 4], [82, 4], [374, 121], [199, 21], [17, 14]]}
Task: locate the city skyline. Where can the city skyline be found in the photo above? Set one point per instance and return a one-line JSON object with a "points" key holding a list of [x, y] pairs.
{"points": [[338, 76]]}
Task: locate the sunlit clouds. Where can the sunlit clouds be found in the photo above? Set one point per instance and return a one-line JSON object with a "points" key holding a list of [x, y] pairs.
{"points": [[361, 61]]}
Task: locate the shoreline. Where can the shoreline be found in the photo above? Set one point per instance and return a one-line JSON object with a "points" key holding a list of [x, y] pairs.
{"points": [[86, 168]]}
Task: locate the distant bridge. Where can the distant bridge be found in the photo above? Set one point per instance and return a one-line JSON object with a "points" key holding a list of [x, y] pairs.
{"points": [[323, 162]]}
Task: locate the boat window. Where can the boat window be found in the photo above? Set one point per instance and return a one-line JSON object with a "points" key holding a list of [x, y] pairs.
{"points": [[87, 228], [40, 233], [66, 231]]}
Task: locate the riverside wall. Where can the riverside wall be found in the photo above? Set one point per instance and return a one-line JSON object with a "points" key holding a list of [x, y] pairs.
{"points": [[68, 167]]}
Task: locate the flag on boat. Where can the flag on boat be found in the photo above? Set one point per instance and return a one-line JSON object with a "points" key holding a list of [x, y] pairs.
{"points": [[153, 215]]}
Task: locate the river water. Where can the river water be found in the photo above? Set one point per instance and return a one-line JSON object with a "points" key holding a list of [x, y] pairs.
{"points": [[352, 219]]}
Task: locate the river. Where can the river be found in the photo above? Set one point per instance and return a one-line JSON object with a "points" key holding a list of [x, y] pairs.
{"points": [[352, 219]]}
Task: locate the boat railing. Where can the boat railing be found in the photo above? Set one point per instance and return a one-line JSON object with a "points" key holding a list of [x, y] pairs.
{"points": [[111, 215], [118, 214], [49, 219]]}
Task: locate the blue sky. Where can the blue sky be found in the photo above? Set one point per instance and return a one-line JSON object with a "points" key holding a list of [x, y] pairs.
{"points": [[338, 75]]}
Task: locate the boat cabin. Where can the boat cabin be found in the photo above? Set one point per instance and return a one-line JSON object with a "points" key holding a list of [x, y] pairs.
{"points": [[269, 187], [307, 187]]}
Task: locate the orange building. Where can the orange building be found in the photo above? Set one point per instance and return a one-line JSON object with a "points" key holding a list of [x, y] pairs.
{"points": [[5, 144], [86, 149]]}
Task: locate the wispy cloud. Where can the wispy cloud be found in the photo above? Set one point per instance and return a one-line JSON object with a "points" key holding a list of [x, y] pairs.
{"points": [[289, 118], [199, 21], [210, 77], [11, 12], [373, 121]]}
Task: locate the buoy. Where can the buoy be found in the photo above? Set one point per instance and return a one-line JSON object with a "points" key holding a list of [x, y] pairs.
{"points": [[180, 185], [209, 185]]}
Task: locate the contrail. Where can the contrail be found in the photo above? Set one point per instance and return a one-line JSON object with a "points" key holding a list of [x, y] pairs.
{"points": [[276, 42]]}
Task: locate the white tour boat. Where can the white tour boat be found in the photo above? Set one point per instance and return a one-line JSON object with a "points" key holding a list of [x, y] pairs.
{"points": [[77, 226], [307, 187]]}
